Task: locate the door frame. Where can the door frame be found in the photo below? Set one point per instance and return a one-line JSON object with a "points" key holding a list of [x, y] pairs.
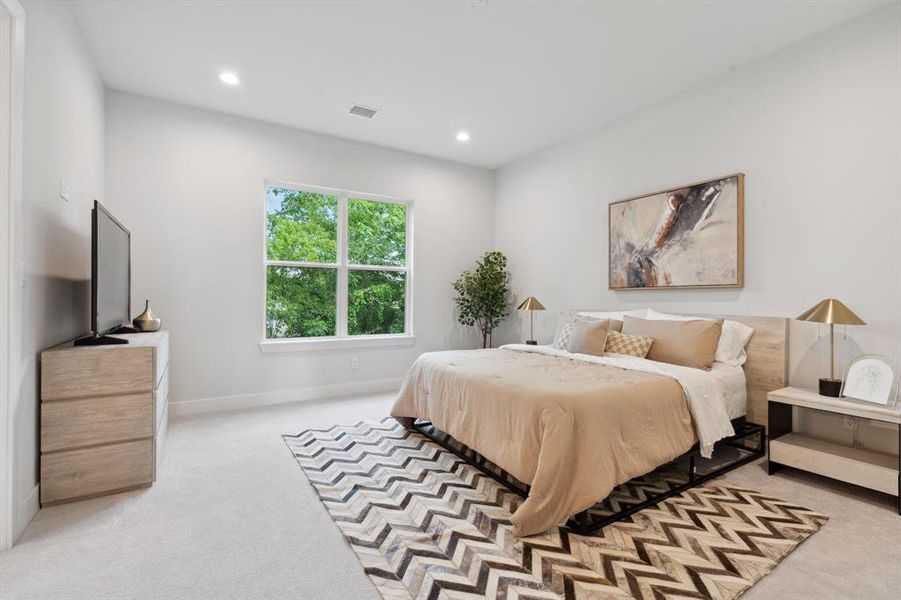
{"points": [[12, 68]]}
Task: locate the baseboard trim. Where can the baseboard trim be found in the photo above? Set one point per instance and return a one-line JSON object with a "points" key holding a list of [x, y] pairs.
{"points": [[28, 508], [240, 401]]}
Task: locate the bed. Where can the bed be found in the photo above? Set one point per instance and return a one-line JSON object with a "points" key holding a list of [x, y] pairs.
{"points": [[572, 427]]}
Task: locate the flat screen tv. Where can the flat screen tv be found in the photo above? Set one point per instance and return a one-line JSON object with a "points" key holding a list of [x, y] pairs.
{"points": [[110, 279]]}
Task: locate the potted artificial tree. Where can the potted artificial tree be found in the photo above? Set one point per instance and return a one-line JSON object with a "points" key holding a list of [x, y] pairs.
{"points": [[483, 295]]}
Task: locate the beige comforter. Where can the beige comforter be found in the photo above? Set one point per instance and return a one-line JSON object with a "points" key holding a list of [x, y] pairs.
{"points": [[570, 429]]}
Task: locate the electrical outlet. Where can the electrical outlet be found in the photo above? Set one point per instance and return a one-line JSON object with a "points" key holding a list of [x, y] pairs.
{"points": [[354, 363]]}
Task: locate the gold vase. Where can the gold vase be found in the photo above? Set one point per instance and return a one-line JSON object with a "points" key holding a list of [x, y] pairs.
{"points": [[147, 321]]}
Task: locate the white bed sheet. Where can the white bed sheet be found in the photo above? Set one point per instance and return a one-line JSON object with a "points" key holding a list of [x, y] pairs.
{"points": [[733, 392], [734, 388]]}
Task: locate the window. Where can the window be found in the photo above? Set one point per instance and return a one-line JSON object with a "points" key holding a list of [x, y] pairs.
{"points": [[337, 266]]}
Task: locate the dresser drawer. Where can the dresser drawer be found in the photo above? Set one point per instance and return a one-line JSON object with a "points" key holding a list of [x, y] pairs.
{"points": [[161, 358], [162, 395], [98, 371], [70, 424], [90, 471], [162, 431]]}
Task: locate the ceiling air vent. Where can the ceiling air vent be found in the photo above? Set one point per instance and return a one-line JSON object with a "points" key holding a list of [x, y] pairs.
{"points": [[363, 111]]}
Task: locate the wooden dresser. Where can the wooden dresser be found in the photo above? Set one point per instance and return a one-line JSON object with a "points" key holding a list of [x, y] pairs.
{"points": [[104, 415]]}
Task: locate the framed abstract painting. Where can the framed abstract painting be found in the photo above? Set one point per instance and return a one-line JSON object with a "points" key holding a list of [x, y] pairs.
{"points": [[685, 237]]}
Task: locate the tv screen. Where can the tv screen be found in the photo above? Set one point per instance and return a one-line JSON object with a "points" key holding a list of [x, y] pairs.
{"points": [[111, 282]]}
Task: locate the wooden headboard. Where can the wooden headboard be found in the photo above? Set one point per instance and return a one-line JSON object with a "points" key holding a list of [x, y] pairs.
{"points": [[767, 366]]}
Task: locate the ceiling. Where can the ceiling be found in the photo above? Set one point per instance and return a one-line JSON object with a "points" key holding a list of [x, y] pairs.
{"points": [[519, 76]]}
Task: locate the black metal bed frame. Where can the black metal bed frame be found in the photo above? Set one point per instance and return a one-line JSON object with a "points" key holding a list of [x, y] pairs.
{"points": [[698, 471]]}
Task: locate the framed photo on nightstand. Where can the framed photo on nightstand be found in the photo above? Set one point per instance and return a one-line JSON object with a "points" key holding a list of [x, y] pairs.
{"points": [[870, 378]]}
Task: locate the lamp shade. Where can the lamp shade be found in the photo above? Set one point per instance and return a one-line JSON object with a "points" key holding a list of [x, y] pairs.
{"points": [[530, 303], [830, 311]]}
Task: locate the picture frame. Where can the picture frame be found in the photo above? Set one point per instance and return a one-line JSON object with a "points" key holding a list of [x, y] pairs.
{"points": [[691, 236], [871, 378]]}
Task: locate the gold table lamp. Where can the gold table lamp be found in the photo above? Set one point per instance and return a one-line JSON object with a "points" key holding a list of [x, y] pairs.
{"points": [[835, 313], [531, 304]]}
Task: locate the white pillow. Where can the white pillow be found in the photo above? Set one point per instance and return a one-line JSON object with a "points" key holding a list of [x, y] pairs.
{"points": [[614, 314], [731, 347]]}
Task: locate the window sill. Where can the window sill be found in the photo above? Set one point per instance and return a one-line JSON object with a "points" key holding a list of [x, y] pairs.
{"points": [[363, 341]]}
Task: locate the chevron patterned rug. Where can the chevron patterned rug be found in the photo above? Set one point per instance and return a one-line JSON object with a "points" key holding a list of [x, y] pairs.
{"points": [[425, 524]]}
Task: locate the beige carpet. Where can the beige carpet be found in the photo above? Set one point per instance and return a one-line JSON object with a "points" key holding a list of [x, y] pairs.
{"points": [[231, 516], [427, 524]]}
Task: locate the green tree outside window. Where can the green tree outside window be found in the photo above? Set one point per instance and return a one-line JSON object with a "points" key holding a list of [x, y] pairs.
{"points": [[303, 286]]}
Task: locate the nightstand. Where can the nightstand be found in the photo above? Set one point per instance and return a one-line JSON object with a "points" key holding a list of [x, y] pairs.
{"points": [[786, 448]]}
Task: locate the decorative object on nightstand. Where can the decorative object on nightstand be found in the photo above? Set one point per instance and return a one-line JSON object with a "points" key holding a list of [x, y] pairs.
{"points": [[834, 313], [870, 378], [852, 464], [147, 321], [531, 304]]}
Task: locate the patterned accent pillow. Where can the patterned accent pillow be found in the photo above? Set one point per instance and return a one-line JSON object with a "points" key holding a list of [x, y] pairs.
{"points": [[633, 345], [561, 341]]}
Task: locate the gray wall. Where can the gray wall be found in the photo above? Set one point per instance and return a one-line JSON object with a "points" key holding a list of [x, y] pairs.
{"points": [[189, 183]]}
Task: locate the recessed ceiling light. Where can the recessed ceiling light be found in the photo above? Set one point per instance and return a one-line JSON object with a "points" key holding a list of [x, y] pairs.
{"points": [[463, 136], [229, 78]]}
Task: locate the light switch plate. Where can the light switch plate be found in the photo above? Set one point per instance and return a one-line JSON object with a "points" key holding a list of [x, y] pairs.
{"points": [[64, 189]]}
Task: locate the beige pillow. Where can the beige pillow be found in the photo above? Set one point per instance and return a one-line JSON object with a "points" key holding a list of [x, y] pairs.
{"points": [[588, 336], [686, 343], [616, 325], [565, 327], [633, 345]]}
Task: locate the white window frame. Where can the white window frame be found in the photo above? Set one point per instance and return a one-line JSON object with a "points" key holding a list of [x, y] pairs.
{"points": [[342, 339]]}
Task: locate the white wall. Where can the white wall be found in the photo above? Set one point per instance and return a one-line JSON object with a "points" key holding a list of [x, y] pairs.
{"points": [[63, 137], [816, 129], [189, 185]]}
